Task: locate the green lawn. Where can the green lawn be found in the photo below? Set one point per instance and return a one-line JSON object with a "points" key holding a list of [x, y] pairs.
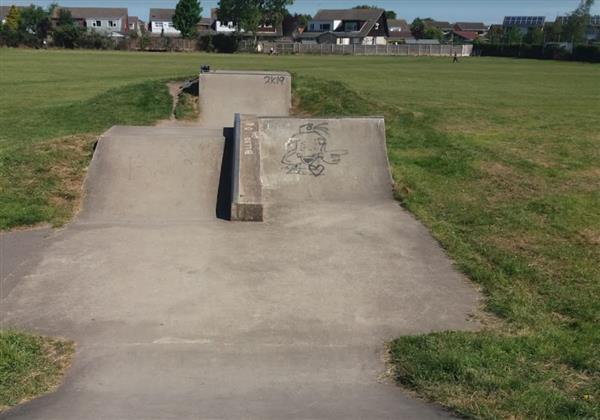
{"points": [[500, 158]]}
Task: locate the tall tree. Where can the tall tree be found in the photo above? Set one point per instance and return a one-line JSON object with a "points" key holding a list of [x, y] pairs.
{"points": [[417, 28], [534, 36], [433, 33], [187, 15], [64, 17], [248, 15], [12, 18], [577, 22], [514, 36]]}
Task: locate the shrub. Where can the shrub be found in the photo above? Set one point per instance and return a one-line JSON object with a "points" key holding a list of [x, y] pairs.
{"points": [[221, 43]]}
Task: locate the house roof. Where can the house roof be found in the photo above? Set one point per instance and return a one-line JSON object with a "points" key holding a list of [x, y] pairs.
{"points": [[423, 41], [472, 26], [349, 14], [398, 25], [164, 15], [440, 24], [468, 35], [93, 12], [368, 16]]}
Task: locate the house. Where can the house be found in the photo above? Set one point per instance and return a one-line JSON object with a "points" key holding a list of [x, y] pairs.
{"points": [[523, 23], [479, 28], [445, 27], [347, 26], [592, 30], [399, 31], [161, 22], [220, 26], [113, 21], [204, 26], [464, 36], [136, 25]]}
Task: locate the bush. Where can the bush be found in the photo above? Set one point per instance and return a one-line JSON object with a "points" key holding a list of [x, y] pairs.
{"points": [[66, 36], [12, 38], [220, 43], [587, 53], [95, 41], [549, 52]]}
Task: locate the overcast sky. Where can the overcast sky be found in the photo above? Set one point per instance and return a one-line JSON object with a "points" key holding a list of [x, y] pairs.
{"points": [[488, 11]]}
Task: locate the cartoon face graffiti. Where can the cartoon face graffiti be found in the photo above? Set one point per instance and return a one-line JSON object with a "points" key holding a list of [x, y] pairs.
{"points": [[306, 151]]}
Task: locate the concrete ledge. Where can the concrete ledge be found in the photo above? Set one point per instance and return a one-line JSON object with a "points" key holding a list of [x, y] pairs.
{"points": [[246, 200]]}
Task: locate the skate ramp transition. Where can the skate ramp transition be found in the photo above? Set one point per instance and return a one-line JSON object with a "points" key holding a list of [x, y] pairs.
{"points": [[298, 162], [224, 93]]}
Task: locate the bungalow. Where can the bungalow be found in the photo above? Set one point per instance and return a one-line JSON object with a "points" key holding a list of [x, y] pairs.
{"points": [[445, 27], [161, 22], [479, 28], [464, 36], [108, 20], [399, 31], [347, 26]]}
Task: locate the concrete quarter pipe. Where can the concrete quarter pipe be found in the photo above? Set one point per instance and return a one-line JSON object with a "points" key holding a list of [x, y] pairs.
{"points": [[179, 314]]}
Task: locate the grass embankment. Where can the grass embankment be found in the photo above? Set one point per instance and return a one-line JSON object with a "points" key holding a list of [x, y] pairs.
{"points": [[43, 163], [525, 227], [30, 365], [500, 158], [187, 107]]}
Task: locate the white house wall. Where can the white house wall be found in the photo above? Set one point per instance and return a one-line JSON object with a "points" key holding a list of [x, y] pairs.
{"points": [[104, 25], [160, 26]]}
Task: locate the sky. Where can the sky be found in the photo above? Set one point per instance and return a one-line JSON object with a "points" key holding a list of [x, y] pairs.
{"points": [[487, 11]]}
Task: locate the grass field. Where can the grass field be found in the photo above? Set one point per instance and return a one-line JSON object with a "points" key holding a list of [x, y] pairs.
{"points": [[500, 158]]}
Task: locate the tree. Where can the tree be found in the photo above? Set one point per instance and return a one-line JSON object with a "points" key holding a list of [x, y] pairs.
{"points": [[12, 18], [555, 31], [534, 36], [495, 34], [248, 15], [417, 28], [514, 36], [390, 14], [35, 20], [433, 33], [187, 15], [64, 18], [577, 22], [292, 22]]}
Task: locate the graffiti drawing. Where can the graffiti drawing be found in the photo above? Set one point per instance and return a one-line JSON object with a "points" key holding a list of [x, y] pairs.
{"points": [[306, 151]]}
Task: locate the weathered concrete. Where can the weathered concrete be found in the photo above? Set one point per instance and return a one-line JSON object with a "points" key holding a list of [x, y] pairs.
{"points": [[178, 314], [224, 93]]}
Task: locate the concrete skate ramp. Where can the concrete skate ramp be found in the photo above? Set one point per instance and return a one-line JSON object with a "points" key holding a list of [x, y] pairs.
{"points": [[225, 93], [153, 173], [299, 162]]}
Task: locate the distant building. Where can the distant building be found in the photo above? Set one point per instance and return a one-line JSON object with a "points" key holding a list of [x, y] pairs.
{"points": [[464, 36], [479, 28], [592, 31], [399, 31], [220, 26], [347, 26], [161, 22], [136, 25], [445, 27], [523, 23], [423, 41], [112, 21]]}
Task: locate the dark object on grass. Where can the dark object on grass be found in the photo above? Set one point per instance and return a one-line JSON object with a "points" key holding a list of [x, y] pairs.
{"points": [[204, 68]]}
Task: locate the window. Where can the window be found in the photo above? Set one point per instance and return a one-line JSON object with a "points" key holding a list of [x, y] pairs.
{"points": [[111, 23], [350, 26], [326, 27], [96, 23], [312, 26]]}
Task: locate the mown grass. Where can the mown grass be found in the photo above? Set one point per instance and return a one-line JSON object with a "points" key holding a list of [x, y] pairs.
{"points": [[499, 158], [30, 365], [527, 233]]}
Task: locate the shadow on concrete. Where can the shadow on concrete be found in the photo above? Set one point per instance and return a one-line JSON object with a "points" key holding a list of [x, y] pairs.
{"points": [[223, 210]]}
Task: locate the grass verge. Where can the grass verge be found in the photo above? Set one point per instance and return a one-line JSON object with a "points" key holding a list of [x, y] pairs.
{"points": [[30, 365], [43, 166], [516, 229], [187, 107]]}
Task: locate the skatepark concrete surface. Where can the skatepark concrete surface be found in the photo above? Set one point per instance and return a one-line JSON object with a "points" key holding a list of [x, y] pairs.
{"points": [[180, 314]]}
